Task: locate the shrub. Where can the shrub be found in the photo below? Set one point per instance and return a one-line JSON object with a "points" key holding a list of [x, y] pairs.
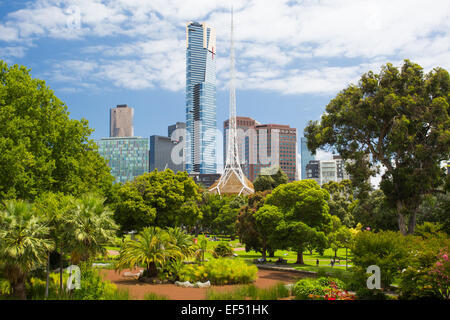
{"points": [[321, 289], [387, 249], [304, 288], [425, 277], [94, 287], [229, 271], [223, 249], [219, 272]]}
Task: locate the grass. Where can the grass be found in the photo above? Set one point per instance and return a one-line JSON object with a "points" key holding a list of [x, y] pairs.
{"points": [[154, 296], [250, 292]]}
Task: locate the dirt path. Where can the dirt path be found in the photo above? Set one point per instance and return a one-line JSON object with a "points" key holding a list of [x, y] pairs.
{"points": [[137, 290]]}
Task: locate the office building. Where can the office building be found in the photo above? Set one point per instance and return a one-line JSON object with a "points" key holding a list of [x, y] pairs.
{"points": [[306, 157], [168, 152], [201, 120], [121, 121], [263, 148], [126, 156], [312, 170], [324, 171]]}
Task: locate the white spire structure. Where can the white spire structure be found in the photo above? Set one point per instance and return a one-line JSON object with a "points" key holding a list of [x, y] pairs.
{"points": [[232, 180]]}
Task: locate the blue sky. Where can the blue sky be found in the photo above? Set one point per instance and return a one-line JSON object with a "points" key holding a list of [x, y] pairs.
{"points": [[292, 56]]}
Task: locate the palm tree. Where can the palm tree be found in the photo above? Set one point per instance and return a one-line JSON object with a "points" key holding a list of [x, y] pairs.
{"points": [[153, 248], [182, 240], [24, 243], [91, 225], [202, 248], [55, 208]]}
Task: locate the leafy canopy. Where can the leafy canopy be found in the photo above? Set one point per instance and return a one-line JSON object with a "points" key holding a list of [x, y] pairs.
{"points": [[41, 148], [398, 119]]}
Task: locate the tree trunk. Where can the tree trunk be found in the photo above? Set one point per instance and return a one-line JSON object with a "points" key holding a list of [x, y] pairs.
{"points": [[299, 257], [61, 270], [401, 218], [19, 289], [151, 270], [271, 253], [406, 223], [412, 222], [47, 279], [264, 250]]}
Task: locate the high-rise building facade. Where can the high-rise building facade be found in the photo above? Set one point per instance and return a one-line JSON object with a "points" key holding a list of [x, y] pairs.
{"points": [[126, 156], [306, 156], [324, 171], [201, 120], [168, 152], [247, 146], [264, 148], [121, 121], [313, 170]]}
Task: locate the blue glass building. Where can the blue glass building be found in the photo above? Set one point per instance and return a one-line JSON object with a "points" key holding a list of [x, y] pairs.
{"points": [[201, 120], [126, 156], [306, 156]]}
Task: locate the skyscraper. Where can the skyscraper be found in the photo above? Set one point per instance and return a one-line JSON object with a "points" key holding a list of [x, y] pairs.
{"points": [[200, 98], [306, 156], [121, 121]]}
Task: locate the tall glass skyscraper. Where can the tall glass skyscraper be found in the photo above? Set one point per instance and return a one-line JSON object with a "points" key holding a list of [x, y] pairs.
{"points": [[306, 156], [201, 120]]}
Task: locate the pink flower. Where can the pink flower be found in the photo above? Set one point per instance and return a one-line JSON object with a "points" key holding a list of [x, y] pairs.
{"points": [[368, 228], [445, 257], [438, 264]]}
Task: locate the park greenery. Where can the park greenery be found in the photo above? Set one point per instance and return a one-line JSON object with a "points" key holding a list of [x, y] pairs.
{"points": [[60, 207]]}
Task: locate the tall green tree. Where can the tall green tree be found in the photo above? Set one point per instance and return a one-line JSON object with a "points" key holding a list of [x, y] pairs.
{"points": [[246, 224], [375, 212], [305, 214], [41, 148], [341, 201], [158, 198], [270, 182], [267, 219], [397, 119], [24, 243]]}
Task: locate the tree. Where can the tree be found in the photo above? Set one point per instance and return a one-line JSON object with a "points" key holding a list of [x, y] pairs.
{"points": [[263, 183], [24, 243], [153, 248], [266, 221], [374, 211], [305, 214], [158, 198], [341, 201], [398, 119], [246, 224], [91, 225], [436, 209], [269, 182], [41, 148], [55, 210], [182, 240]]}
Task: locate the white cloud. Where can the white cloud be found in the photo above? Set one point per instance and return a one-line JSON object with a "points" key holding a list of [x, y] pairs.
{"points": [[314, 46]]}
